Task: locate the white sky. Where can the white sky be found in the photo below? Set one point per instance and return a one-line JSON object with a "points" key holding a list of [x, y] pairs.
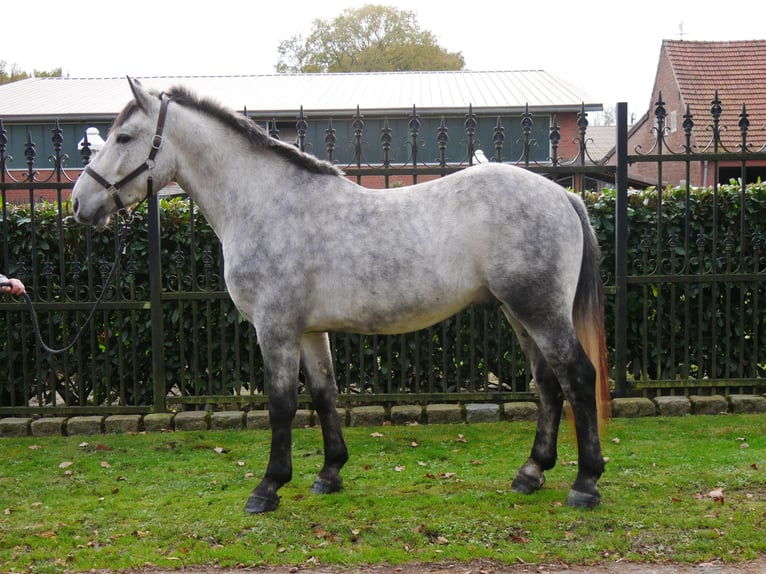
{"points": [[607, 48]]}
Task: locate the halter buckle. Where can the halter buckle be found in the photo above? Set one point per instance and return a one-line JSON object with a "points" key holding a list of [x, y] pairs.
{"points": [[115, 193], [157, 142]]}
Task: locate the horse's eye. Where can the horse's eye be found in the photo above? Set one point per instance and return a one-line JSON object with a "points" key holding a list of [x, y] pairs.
{"points": [[123, 138]]}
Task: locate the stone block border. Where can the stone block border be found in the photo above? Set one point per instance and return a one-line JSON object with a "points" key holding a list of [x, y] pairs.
{"points": [[470, 413]]}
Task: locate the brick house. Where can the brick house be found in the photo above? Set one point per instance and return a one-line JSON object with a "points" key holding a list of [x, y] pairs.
{"points": [[689, 75]]}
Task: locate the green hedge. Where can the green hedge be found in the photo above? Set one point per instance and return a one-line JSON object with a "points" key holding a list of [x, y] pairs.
{"points": [[209, 349], [691, 329]]}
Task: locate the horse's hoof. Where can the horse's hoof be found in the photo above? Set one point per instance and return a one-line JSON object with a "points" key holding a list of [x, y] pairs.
{"points": [[325, 486], [579, 499], [258, 504], [525, 484]]}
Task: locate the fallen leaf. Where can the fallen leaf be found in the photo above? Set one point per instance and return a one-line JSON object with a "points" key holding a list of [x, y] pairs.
{"points": [[105, 464], [35, 447], [83, 445], [102, 447], [413, 444], [65, 464], [376, 434], [400, 468], [7, 511], [716, 494], [241, 463], [616, 440], [461, 438], [744, 445]]}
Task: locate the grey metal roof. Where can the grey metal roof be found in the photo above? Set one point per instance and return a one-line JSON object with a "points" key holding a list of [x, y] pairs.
{"points": [[284, 94]]}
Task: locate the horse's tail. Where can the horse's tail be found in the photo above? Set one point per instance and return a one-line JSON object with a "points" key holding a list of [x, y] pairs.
{"points": [[588, 311]]}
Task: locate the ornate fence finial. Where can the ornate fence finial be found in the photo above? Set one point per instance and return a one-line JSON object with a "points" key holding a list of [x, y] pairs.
{"points": [[442, 138], [414, 125], [358, 125], [555, 139], [385, 140], [744, 125], [274, 130], [301, 125], [688, 128], [498, 136], [329, 140], [470, 131], [715, 111]]}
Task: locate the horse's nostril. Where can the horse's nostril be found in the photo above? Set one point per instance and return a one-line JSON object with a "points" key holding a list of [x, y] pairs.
{"points": [[76, 204]]}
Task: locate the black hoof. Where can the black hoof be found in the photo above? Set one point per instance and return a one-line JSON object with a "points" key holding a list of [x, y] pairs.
{"points": [[579, 499], [258, 504], [325, 486], [526, 484]]}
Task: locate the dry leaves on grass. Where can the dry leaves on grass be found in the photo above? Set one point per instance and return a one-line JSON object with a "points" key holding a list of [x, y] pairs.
{"points": [[716, 495]]}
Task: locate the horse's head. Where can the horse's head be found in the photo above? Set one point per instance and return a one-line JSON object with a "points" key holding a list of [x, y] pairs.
{"points": [[132, 162]]}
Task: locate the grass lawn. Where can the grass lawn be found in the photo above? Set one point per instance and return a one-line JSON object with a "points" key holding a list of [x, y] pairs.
{"points": [[686, 489]]}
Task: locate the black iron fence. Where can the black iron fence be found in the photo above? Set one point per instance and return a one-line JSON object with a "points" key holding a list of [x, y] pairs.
{"points": [[168, 336], [689, 293]]}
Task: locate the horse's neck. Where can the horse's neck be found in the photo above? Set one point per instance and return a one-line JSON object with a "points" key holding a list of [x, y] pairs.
{"points": [[226, 178]]}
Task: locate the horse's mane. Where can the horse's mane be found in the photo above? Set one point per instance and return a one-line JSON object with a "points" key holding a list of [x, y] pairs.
{"points": [[243, 125]]}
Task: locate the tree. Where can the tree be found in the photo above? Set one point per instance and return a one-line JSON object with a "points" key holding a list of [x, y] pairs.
{"points": [[15, 73], [368, 39], [11, 75]]}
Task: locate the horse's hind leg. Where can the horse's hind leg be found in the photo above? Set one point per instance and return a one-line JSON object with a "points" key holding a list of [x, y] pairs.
{"points": [[317, 366], [530, 476], [563, 371]]}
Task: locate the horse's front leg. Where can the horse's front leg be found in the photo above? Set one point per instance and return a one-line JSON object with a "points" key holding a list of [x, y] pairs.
{"points": [[317, 366], [281, 360]]}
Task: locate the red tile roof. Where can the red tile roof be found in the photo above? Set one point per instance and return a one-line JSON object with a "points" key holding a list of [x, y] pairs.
{"points": [[737, 70]]}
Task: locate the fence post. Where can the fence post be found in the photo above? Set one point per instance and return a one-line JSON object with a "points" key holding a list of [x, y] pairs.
{"points": [[155, 297], [621, 246]]}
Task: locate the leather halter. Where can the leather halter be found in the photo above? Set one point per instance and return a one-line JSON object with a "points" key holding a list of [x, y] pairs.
{"points": [[148, 165]]}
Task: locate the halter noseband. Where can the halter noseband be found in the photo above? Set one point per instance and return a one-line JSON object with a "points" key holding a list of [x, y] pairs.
{"points": [[148, 165]]}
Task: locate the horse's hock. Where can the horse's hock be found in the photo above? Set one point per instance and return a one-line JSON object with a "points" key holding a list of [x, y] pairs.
{"points": [[669, 406]]}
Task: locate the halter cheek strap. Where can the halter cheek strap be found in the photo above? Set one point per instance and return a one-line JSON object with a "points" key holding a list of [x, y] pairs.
{"points": [[114, 188]]}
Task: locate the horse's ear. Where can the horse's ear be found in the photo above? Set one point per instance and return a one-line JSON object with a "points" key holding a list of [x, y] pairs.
{"points": [[139, 93]]}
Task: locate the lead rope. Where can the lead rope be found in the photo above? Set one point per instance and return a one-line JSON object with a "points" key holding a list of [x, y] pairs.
{"points": [[124, 233]]}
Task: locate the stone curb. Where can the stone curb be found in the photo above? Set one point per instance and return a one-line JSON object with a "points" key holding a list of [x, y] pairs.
{"points": [[469, 413]]}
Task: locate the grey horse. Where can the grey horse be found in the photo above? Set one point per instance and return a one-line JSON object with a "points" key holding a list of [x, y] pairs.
{"points": [[308, 251]]}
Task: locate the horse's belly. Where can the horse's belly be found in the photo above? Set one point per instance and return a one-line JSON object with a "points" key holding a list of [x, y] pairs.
{"points": [[388, 317]]}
